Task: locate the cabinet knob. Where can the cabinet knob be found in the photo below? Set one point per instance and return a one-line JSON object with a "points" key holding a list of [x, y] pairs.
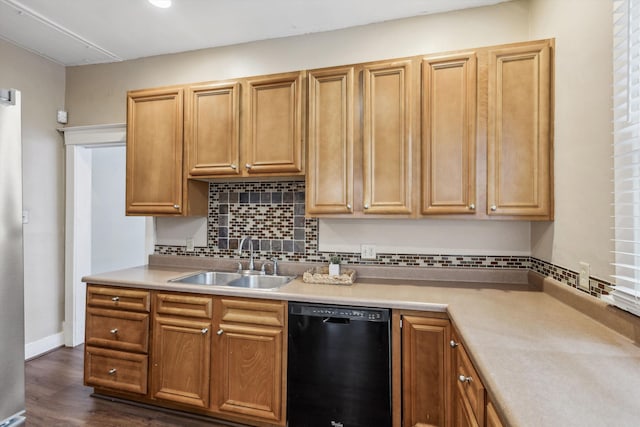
{"points": [[204, 331], [220, 331], [112, 371], [453, 344], [464, 379], [348, 206], [472, 207], [248, 166], [114, 331], [366, 205], [494, 208], [115, 299], [234, 166], [176, 206]]}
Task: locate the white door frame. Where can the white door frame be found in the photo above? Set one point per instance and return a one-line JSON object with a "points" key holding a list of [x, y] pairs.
{"points": [[78, 141]]}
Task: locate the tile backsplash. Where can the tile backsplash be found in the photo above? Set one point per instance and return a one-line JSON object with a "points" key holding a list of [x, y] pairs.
{"points": [[272, 214]]}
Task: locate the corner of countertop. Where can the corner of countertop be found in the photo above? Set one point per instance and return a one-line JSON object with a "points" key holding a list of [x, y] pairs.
{"points": [[610, 316]]}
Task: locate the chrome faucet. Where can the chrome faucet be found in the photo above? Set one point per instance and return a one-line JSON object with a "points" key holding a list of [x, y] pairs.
{"points": [[251, 265]]}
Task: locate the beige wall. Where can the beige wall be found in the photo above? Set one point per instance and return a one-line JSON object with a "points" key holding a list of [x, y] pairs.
{"points": [[96, 93], [583, 125], [582, 28], [43, 85]]}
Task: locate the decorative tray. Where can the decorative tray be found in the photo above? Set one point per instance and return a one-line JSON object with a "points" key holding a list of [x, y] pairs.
{"points": [[321, 275]]}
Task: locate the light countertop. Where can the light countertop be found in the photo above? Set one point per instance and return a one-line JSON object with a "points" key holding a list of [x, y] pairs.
{"points": [[543, 362]]}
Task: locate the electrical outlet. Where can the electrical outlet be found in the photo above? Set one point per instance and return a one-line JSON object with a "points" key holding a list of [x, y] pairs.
{"points": [[583, 279], [190, 245], [368, 251]]}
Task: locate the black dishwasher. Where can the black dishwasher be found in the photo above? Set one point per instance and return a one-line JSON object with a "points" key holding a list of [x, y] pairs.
{"points": [[339, 368]]}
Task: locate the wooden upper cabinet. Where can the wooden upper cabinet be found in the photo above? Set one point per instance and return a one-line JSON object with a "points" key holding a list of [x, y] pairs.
{"points": [[212, 129], [387, 110], [273, 140], [519, 174], [154, 151], [448, 178], [330, 141]]}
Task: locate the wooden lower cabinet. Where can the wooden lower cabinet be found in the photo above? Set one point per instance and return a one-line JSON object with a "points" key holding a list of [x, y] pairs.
{"points": [[250, 365], [421, 348], [117, 336], [210, 355], [181, 361], [471, 405]]}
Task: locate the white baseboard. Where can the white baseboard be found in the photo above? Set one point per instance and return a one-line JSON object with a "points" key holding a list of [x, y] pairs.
{"points": [[43, 345]]}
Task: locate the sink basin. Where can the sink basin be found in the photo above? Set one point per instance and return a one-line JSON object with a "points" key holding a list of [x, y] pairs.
{"points": [[214, 278], [238, 280], [260, 282]]}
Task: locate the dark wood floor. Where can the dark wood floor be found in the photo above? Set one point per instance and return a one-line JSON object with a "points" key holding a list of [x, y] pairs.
{"points": [[57, 397]]}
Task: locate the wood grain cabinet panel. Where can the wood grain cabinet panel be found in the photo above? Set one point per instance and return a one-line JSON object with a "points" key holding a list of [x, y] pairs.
{"points": [[387, 110], [154, 151], [212, 129], [181, 350], [117, 329], [330, 141], [118, 370], [425, 371], [181, 356], [448, 124], [156, 182], [250, 363], [118, 298], [273, 140], [519, 175], [493, 420]]}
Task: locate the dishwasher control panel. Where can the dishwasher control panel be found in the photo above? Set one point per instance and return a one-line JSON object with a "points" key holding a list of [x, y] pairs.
{"points": [[343, 312]]}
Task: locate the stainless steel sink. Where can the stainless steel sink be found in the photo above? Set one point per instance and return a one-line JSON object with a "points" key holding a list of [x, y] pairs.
{"points": [[260, 282], [238, 280], [213, 278]]}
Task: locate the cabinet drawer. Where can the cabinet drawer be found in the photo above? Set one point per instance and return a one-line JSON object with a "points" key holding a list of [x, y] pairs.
{"points": [[118, 298], [255, 312], [184, 305], [118, 330], [469, 383], [117, 370]]}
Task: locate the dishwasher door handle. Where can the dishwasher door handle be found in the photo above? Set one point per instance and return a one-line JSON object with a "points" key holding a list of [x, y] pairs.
{"points": [[339, 320]]}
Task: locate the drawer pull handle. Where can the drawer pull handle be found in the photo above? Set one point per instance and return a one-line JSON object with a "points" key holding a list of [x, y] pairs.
{"points": [[114, 331], [112, 371], [220, 331], [115, 299], [453, 344], [464, 379], [204, 331]]}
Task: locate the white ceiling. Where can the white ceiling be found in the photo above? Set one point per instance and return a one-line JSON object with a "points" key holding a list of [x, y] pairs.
{"points": [[77, 32]]}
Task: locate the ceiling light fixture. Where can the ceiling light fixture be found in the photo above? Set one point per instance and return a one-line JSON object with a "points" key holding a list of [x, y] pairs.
{"points": [[161, 3]]}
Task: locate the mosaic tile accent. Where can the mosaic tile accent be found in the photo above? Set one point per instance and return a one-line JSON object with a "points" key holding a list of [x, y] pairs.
{"points": [[597, 287], [272, 213]]}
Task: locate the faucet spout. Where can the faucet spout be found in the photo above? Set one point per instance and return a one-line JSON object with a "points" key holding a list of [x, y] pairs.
{"points": [[240, 246]]}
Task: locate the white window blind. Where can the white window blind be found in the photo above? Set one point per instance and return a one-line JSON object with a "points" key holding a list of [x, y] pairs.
{"points": [[626, 153]]}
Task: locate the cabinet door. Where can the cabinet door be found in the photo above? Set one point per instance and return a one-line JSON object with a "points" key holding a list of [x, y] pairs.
{"points": [[387, 138], [493, 420], [154, 152], [519, 137], [273, 125], [181, 359], [250, 359], [425, 370], [448, 178], [212, 129], [330, 141]]}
